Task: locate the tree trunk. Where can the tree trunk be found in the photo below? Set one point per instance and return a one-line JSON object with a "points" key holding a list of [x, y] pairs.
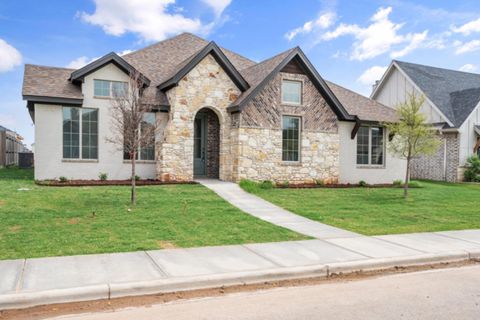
{"points": [[407, 178], [133, 197]]}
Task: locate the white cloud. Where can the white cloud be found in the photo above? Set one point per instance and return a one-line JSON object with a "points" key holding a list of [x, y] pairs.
{"points": [[468, 67], [9, 56], [377, 38], [124, 52], [468, 28], [218, 6], [416, 40], [79, 62], [369, 76], [466, 47], [152, 20], [323, 21]]}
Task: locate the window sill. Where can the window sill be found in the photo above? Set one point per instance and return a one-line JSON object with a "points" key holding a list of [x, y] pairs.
{"points": [[291, 104], [80, 160], [291, 163], [370, 166], [140, 161], [101, 97]]}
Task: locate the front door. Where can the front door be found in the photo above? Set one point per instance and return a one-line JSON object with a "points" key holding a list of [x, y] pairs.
{"points": [[199, 145]]}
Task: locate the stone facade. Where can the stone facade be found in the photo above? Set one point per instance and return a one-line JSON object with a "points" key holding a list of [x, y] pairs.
{"points": [[206, 85], [260, 157], [249, 142], [434, 167]]}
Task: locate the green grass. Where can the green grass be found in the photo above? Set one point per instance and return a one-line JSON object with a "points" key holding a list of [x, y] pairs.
{"points": [[432, 206], [53, 221]]}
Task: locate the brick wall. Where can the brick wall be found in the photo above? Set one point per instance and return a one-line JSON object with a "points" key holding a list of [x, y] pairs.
{"points": [[434, 167]]}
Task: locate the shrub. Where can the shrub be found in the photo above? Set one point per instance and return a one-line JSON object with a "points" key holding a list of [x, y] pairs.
{"points": [[415, 184], [63, 179], [266, 184], [285, 184], [248, 185], [397, 183], [319, 182], [137, 178], [472, 173], [103, 176], [362, 183]]}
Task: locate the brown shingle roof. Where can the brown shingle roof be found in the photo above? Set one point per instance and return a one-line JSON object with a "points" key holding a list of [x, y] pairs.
{"points": [[364, 108], [49, 82]]}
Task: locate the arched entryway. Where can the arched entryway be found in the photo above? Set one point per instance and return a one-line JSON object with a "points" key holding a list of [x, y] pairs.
{"points": [[206, 145]]}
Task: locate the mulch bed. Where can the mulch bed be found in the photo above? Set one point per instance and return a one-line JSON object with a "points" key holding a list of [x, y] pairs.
{"points": [[86, 183], [332, 186]]}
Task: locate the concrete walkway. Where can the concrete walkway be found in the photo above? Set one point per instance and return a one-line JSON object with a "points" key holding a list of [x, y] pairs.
{"points": [[267, 211], [89, 277]]}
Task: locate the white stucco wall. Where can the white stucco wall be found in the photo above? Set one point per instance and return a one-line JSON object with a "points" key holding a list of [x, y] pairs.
{"points": [[350, 172], [468, 136], [48, 139]]}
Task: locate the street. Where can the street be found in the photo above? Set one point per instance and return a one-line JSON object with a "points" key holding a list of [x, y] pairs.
{"points": [[436, 294]]}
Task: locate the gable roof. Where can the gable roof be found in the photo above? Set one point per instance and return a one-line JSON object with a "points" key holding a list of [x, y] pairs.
{"points": [[112, 57], [186, 66], [259, 75], [364, 108], [454, 93]]}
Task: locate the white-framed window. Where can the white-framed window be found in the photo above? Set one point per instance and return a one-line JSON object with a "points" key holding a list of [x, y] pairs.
{"points": [[371, 146], [145, 153], [109, 89], [80, 133], [291, 91], [290, 139]]}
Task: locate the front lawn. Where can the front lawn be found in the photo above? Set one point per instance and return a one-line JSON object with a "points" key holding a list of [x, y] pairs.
{"points": [[37, 221], [373, 211]]}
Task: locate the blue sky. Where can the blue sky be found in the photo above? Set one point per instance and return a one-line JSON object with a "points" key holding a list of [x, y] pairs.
{"points": [[350, 42]]}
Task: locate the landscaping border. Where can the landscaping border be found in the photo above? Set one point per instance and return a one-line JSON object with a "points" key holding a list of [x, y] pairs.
{"points": [[91, 183]]}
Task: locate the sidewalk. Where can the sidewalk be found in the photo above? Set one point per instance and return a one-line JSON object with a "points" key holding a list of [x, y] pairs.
{"points": [[267, 211], [79, 278]]}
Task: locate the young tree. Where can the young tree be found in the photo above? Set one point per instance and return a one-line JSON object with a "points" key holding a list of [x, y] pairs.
{"points": [[412, 136], [129, 131]]}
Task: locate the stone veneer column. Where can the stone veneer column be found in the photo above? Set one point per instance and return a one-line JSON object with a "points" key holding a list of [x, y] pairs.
{"points": [[205, 86]]}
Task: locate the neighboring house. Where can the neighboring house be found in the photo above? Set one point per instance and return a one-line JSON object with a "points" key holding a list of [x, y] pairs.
{"points": [[10, 145], [220, 115], [451, 104]]}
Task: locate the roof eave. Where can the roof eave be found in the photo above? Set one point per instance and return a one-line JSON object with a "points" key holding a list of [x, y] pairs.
{"points": [[338, 108], [79, 75]]}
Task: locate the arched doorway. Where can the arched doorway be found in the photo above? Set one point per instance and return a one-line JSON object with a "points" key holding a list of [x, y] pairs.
{"points": [[206, 144]]}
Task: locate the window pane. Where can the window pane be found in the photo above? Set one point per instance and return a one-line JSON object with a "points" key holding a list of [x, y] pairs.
{"points": [[147, 152], [362, 145], [101, 88], [377, 145], [89, 133], [71, 132], [290, 138], [119, 89], [291, 91]]}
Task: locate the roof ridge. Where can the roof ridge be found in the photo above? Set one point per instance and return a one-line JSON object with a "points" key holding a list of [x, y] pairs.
{"points": [[51, 67], [433, 67], [163, 41]]}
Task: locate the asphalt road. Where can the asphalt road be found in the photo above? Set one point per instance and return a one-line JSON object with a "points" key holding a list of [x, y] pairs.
{"points": [[437, 294]]}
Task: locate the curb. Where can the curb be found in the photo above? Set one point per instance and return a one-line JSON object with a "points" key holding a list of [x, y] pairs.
{"points": [[117, 290]]}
